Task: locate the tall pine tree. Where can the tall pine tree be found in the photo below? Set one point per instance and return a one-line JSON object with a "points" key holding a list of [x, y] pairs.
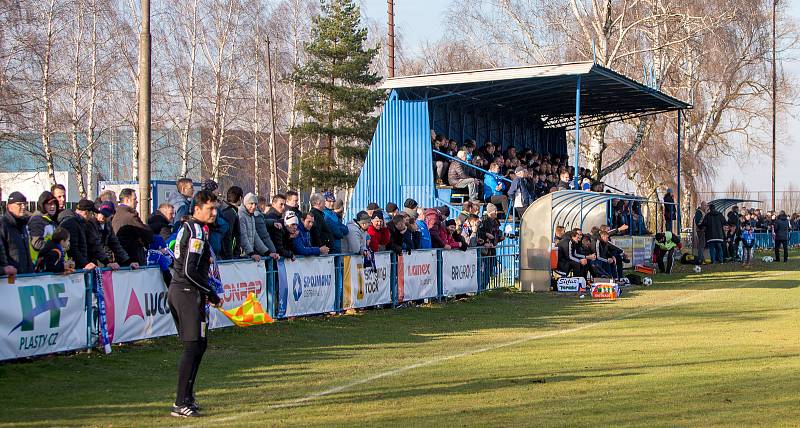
{"points": [[338, 99]]}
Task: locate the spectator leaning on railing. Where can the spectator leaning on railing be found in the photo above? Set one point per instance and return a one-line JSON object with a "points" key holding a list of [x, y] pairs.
{"points": [[109, 252], [334, 224], [81, 248], [134, 236], [231, 247], [276, 226], [302, 242], [424, 234], [161, 221], [321, 235], [249, 239], [14, 234], [52, 258], [356, 240], [379, 236]]}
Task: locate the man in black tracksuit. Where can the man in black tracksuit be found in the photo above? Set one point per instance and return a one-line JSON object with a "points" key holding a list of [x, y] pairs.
{"points": [[568, 258], [188, 293], [780, 231]]}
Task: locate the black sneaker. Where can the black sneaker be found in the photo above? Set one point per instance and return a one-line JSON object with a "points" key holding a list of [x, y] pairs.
{"points": [[194, 405], [184, 412]]}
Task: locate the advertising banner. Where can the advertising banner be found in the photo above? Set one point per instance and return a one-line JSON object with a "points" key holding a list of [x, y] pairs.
{"points": [[642, 250], [416, 276], [370, 286], [136, 305], [459, 272], [570, 284], [306, 287], [625, 243], [42, 315], [238, 280]]}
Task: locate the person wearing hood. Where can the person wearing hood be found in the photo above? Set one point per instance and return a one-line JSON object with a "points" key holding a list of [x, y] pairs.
{"points": [[43, 222], [356, 240], [249, 239], [780, 233], [302, 242], [338, 230], [231, 245], [712, 226], [14, 235]]}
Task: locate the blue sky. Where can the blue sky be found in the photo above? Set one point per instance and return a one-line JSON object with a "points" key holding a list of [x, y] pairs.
{"points": [[420, 20]]}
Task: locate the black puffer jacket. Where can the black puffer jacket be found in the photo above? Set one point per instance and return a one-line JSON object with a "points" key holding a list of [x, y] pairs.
{"points": [[106, 245], [81, 250], [712, 225], [160, 225], [14, 234], [280, 237], [320, 234], [781, 227]]}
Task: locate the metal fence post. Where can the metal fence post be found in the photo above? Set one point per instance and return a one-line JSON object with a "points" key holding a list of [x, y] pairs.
{"points": [[88, 281], [394, 279], [271, 273], [439, 284], [338, 267]]}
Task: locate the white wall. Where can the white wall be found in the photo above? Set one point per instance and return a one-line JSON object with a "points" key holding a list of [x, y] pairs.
{"points": [[32, 184]]}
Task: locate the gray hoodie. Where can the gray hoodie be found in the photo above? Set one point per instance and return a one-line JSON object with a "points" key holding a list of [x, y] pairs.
{"points": [[355, 242], [249, 240]]}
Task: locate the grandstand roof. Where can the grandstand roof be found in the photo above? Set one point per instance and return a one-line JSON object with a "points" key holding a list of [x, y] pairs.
{"points": [[544, 91]]}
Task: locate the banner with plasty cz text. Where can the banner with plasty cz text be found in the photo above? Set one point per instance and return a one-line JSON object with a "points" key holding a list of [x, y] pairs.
{"points": [[42, 315]]}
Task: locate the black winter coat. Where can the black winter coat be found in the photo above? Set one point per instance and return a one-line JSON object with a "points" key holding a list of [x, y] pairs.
{"points": [[231, 247], [280, 237], [320, 233], [107, 246], [781, 227], [14, 234], [134, 236], [160, 226], [712, 226], [51, 259], [82, 248]]}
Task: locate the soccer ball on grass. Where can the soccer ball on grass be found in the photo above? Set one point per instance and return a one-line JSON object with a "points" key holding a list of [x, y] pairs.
{"points": [[767, 259], [697, 269], [647, 281]]}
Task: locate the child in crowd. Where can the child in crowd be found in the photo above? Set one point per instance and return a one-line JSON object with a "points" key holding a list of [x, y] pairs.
{"points": [[748, 244], [52, 258]]}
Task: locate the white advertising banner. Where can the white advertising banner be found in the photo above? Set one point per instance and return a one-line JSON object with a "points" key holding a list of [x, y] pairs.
{"points": [[42, 315], [306, 286], [416, 276], [459, 272], [238, 281], [136, 305], [367, 286]]}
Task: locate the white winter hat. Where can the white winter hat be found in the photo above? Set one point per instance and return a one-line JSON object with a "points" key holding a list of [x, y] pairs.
{"points": [[250, 198], [290, 218]]}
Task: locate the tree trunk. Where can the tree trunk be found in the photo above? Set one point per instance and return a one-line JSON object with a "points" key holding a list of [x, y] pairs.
{"points": [[597, 146], [187, 125], [90, 124], [45, 129], [77, 150]]}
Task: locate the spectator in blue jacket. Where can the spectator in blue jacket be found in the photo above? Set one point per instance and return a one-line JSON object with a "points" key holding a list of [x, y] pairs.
{"points": [[493, 187], [334, 223], [302, 242], [182, 201], [425, 242]]}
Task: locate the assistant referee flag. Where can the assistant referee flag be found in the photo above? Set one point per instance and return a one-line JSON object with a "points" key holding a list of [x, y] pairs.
{"points": [[249, 313]]}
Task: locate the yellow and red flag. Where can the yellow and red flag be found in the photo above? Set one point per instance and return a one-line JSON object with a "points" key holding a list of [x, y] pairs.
{"points": [[249, 313]]}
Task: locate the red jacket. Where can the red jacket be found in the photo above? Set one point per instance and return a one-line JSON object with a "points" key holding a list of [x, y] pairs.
{"points": [[378, 238]]}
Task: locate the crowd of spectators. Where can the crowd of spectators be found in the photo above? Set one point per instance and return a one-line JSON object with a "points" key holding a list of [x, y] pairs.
{"points": [[109, 232], [506, 177], [731, 237]]}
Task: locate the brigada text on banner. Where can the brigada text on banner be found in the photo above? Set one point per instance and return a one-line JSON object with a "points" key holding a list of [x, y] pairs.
{"points": [[366, 286], [416, 276], [306, 286], [42, 315], [459, 272]]}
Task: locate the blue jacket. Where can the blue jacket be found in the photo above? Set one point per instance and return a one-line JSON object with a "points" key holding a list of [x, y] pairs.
{"points": [[182, 205], [302, 243], [519, 186], [338, 230], [425, 236], [219, 230], [490, 182]]}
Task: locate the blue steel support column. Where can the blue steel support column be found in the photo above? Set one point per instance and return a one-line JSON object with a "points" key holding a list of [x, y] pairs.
{"points": [[577, 131], [678, 199]]}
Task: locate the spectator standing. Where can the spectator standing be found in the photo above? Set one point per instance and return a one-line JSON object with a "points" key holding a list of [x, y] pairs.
{"points": [[231, 247], [391, 211], [302, 242], [321, 235], [424, 233], [276, 226], [519, 193], [458, 177], [714, 233], [400, 237], [181, 203], [262, 225], [379, 236], [334, 224], [108, 252], [372, 207], [43, 222], [780, 233], [60, 193], [249, 239], [293, 203], [698, 233], [410, 207], [736, 229], [14, 235], [356, 240], [82, 249], [748, 244], [564, 182], [162, 220], [670, 210], [455, 236], [134, 236]]}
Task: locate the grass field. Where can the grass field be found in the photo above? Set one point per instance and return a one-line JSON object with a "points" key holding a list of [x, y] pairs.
{"points": [[717, 349]]}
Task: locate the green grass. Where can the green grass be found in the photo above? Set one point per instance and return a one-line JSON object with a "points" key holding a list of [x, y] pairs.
{"points": [[719, 348]]}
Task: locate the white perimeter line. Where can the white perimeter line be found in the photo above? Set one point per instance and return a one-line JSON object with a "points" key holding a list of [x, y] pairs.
{"points": [[437, 360]]}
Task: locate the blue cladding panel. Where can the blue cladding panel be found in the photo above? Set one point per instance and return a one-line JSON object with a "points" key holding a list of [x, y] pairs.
{"points": [[399, 163]]}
